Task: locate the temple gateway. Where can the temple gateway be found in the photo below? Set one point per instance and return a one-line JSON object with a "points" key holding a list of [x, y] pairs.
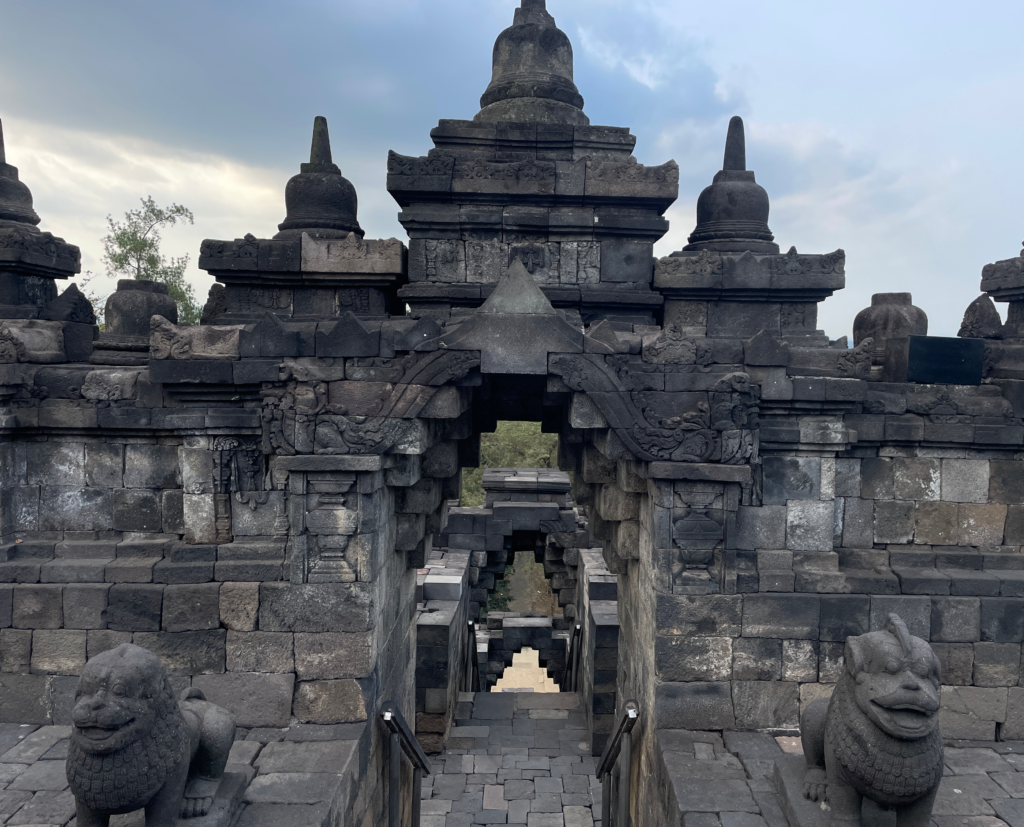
{"points": [[269, 502]]}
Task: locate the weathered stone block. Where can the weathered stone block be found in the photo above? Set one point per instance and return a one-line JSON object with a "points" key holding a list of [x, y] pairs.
{"points": [[782, 616], [23, 699], [916, 612], [766, 705], [996, 664], [799, 660], [848, 478], [38, 607], [85, 605], [698, 706], [102, 640], [333, 655], [58, 651], [136, 510], [75, 509], [1002, 619], [189, 608], [330, 702], [957, 662], [858, 523], [936, 524], [844, 616], [982, 525], [186, 653], [917, 479], [809, 525], [791, 478], [151, 466], [693, 659], [761, 528], [757, 659], [255, 700], [894, 522], [707, 615], [877, 477], [971, 713], [134, 608], [15, 650], [956, 619], [260, 652], [965, 480], [333, 607]]}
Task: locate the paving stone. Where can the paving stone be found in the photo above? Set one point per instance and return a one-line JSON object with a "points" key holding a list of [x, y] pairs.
{"points": [[43, 775], [45, 808]]}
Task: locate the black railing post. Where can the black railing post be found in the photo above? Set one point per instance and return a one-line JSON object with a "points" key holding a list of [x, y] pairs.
{"points": [[402, 740], [618, 750], [394, 780]]}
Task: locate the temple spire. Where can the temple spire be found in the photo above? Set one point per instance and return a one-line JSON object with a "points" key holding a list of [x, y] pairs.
{"points": [[732, 214], [735, 146], [320, 200], [320, 152], [320, 159], [532, 73], [15, 197]]}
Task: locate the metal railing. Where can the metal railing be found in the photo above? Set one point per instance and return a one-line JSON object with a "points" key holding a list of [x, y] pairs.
{"points": [[471, 680], [402, 740], [572, 660], [618, 750]]}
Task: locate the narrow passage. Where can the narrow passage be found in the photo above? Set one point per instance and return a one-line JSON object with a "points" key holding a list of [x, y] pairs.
{"points": [[515, 758]]}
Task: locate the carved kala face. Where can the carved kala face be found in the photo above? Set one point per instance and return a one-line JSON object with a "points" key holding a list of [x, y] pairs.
{"points": [[118, 701], [898, 691]]}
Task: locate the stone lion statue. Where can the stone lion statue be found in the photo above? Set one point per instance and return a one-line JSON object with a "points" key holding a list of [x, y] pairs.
{"points": [[133, 745], [876, 744]]}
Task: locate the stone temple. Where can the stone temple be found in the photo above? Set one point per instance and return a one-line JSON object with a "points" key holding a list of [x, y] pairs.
{"points": [[269, 501]]}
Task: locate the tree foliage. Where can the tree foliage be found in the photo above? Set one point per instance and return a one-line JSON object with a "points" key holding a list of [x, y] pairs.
{"points": [[132, 250], [512, 445]]}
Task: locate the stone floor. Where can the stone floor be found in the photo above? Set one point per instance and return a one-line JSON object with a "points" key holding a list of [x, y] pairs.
{"points": [[515, 758], [294, 777]]}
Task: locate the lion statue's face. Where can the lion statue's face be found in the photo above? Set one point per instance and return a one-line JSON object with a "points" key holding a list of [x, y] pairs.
{"points": [[896, 683], [121, 695]]}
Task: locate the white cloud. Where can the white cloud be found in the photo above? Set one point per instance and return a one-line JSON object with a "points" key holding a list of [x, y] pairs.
{"points": [[79, 178]]}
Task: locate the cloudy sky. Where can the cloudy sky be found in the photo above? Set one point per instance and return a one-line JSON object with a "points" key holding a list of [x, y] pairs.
{"points": [[890, 129]]}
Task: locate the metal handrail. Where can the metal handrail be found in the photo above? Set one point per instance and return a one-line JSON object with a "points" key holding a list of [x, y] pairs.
{"points": [[618, 750], [471, 681], [403, 740], [573, 659]]}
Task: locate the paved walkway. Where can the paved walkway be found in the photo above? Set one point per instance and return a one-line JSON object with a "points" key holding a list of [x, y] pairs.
{"points": [[517, 758]]}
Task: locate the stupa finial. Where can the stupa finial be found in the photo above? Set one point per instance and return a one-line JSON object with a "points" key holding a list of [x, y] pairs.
{"points": [[320, 159], [3, 152], [320, 152], [735, 146]]}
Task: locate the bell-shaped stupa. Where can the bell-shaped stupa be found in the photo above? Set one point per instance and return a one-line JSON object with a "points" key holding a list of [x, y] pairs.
{"points": [[732, 214], [533, 73], [320, 200], [15, 197]]}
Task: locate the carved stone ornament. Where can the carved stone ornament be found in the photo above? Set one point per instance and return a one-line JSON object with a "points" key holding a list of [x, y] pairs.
{"points": [[12, 350], [166, 341], [673, 347], [133, 745], [981, 320], [876, 744]]}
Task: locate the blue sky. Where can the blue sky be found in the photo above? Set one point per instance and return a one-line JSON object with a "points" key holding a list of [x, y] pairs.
{"points": [[891, 130]]}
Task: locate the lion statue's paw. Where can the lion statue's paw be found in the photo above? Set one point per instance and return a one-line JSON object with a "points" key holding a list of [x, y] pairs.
{"points": [[815, 785], [198, 798]]}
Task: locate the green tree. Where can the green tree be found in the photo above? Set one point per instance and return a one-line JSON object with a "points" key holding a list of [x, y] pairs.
{"points": [[512, 445], [132, 250]]}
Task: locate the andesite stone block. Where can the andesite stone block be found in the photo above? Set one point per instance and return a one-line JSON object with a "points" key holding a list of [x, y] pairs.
{"points": [[254, 699]]}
